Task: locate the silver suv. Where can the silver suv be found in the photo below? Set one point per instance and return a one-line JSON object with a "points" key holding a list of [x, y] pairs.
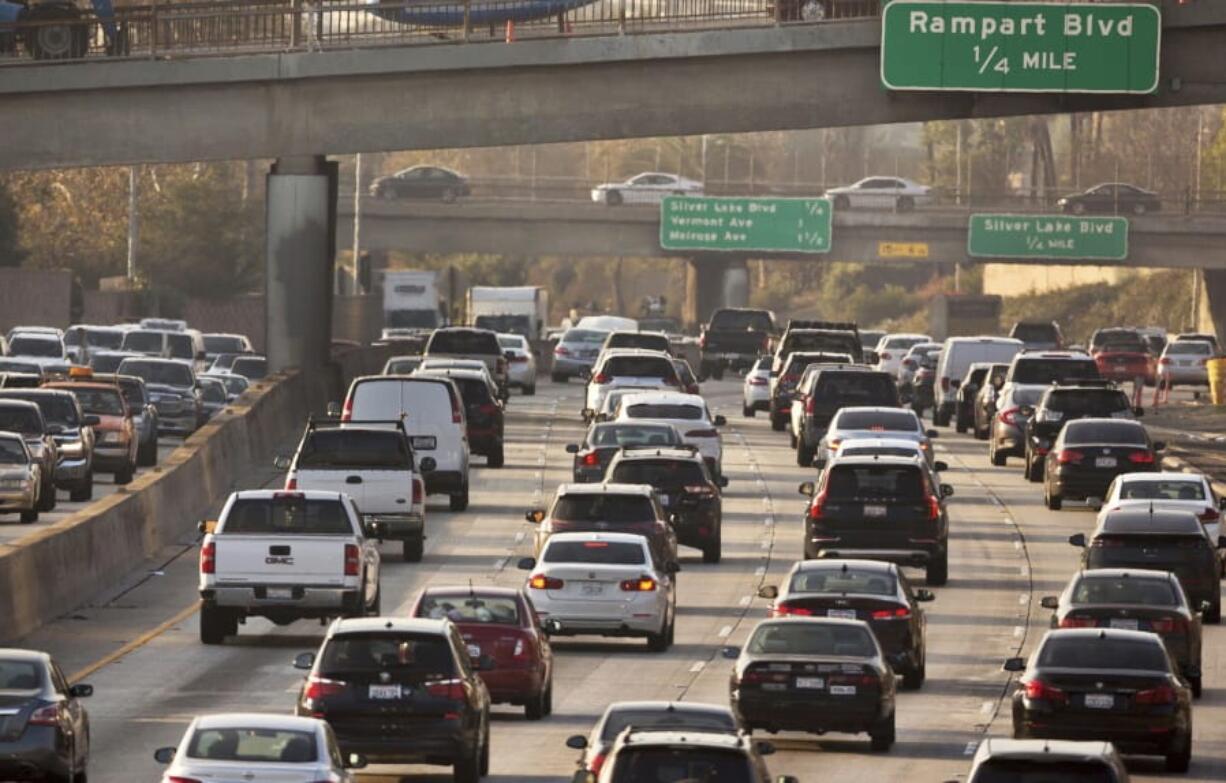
{"points": [[676, 756]]}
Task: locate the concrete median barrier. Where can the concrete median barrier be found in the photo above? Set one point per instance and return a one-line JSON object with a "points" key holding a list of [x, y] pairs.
{"points": [[55, 570]]}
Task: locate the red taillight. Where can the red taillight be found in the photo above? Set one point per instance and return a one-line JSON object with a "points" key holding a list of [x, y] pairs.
{"points": [[208, 558], [46, 716], [1037, 690], [865, 680], [447, 689], [1141, 458], [702, 342], [457, 413], [488, 409], [176, 779], [561, 350], [1079, 622], [783, 610], [900, 613], [597, 762], [886, 356], [1164, 360], [756, 381], [1069, 455], [644, 584], [519, 360], [944, 384], [702, 434], [1009, 416], [601, 378], [1166, 625], [291, 482], [1163, 694], [318, 688], [815, 508], [542, 582], [700, 489], [590, 459], [934, 508], [1208, 515], [353, 560], [347, 413], [419, 491]]}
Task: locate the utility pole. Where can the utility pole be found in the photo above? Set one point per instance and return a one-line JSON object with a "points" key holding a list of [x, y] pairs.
{"points": [[133, 224], [958, 161], [355, 283]]}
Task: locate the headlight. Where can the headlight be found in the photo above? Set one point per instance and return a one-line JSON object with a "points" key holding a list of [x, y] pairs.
{"points": [[72, 448], [113, 437], [13, 483]]}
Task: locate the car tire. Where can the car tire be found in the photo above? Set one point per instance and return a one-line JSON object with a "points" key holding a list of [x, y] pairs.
{"points": [[83, 492], [147, 454], [613, 198], [412, 550], [1196, 686], [1037, 469], [535, 708], [747, 411], [530, 391], [804, 454], [713, 551], [483, 764], [961, 426], [549, 697], [998, 459], [468, 769], [124, 476], [905, 204], [1214, 615], [658, 642], [913, 678], [1179, 756], [1139, 209], [459, 501], [778, 423], [937, 572], [216, 624], [557, 377], [881, 736], [1053, 502], [496, 457], [46, 497], [29, 517], [718, 372], [842, 202]]}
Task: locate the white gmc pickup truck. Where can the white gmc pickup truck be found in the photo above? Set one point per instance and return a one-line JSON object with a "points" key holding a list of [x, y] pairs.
{"points": [[285, 556]]}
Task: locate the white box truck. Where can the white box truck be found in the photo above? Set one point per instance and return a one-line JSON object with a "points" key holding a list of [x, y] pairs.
{"points": [[522, 310], [410, 299]]}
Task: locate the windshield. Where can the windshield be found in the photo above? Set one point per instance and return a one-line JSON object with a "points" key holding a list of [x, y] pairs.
{"points": [[350, 449], [36, 346], [675, 717], [464, 341], [877, 421], [1189, 348], [288, 515], [634, 435], [164, 373], [253, 745], [56, 408], [639, 367], [585, 336], [682, 765], [180, 346], [1124, 590], [21, 420], [812, 638], [644, 410], [212, 391], [593, 552], [856, 388], [740, 321], [1047, 771], [1083, 403], [402, 366], [97, 338], [875, 482], [12, 451], [603, 507], [223, 343], [843, 581], [511, 341], [1098, 653], [660, 473], [143, 342], [1088, 432], [483, 610], [1162, 489], [1119, 340], [100, 402], [1035, 371], [400, 655]]}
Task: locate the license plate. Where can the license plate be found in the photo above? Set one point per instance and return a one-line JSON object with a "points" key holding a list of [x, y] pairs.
{"points": [[774, 686], [280, 592], [592, 589], [383, 692], [842, 690], [424, 442], [1104, 462], [474, 651], [874, 511], [842, 614], [810, 682], [1126, 625], [1100, 701]]}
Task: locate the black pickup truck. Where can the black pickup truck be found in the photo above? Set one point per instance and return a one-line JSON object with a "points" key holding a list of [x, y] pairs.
{"points": [[734, 338]]}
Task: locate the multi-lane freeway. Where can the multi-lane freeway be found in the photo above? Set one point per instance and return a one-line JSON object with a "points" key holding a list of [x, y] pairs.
{"points": [[141, 649]]}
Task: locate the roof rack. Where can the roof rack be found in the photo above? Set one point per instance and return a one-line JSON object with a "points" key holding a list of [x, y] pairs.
{"points": [[332, 422], [657, 447], [1104, 383], [806, 324]]}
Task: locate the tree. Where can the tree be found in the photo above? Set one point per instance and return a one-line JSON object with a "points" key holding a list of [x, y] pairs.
{"points": [[10, 252]]}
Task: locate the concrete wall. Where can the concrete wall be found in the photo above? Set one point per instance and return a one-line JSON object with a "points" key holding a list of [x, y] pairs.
{"points": [[39, 297], [1015, 279], [69, 563], [108, 307]]}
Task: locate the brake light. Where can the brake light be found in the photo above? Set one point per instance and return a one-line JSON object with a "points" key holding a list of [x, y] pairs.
{"points": [[1208, 515], [702, 434], [347, 413], [1164, 360], [1009, 416], [702, 342], [519, 359], [489, 409], [208, 558], [591, 458], [756, 381], [854, 679], [934, 508], [561, 350], [1166, 625], [176, 779], [1037, 690], [46, 716], [1141, 458], [542, 582], [886, 356], [318, 688], [816, 507], [418, 491], [598, 759], [945, 384], [446, 689], [810, 406], [1079, 622], [783, 610], [1163, 694], [291, 482], [644, 584], [900, 613], [1069, 455], [353, 560], [700, 489], [457, 414]]}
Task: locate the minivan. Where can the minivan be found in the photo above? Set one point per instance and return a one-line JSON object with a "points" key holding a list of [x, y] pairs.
{"points": [[433, 414], [957, 356]]}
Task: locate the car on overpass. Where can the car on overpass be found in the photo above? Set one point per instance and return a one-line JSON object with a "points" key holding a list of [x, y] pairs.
{"points": [[1111, 198], [897, 193], [647, 188], [425, 182]]}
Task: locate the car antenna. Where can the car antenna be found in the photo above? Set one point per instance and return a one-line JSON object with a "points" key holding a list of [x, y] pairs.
{"points": [[471, 592]]}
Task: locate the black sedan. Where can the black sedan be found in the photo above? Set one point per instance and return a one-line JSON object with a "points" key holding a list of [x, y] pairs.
{"points": [[46, 730], [1090, 453], [1111, 198], [605, 439], [432, 182], [814, 675], [1134, 600], [875, 592], [1105, 684]]}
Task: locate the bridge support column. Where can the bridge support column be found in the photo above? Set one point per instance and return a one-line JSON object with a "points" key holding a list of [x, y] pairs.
{"points": [[300, 226], [712, 282], [1213, 302]]}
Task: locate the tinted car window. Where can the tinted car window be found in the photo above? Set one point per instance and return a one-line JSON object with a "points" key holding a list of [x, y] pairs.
{"points": [[20, 419], [402, 655], [1034, 370], [633, 435], [659, 473], [1124, 341], [473, 391], [883, 421], [1087, 401], [56, 408], [35, 346], [1045, 333], [180, 346], [355, 449], [1123, 550], [1088, 432], [222, 344], [1124, 590], [165, 373], [682, 765], [463, 341], [811, 639], [1189, 347], [849, 581], [593, 552], [1024, 771], [142, 341], [253, 367], [665, 720], [20, 676], [102, 402], [854, 482], [588, 336], [403, 367], [740, 320], [602, 507], [665, 411], [253, 745], [498, 610], [288, 516], [856, 388], [652, 342], [1163, 489], [638, 367], [12, 451], [212, 392], [1102, 653]]}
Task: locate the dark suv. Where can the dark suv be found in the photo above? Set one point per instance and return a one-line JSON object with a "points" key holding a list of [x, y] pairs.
{"points": [[785, 383], [880, 508], [831, 388], [689, 495], [73, 432], [1062, 404], [1038, 335], [465, 343], [1090, 453], [401, 692], [484, 416], [824, 336]]}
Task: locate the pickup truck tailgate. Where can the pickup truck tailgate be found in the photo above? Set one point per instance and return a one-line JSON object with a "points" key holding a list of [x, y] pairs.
{"points": [[373, 491], [316, 560]]}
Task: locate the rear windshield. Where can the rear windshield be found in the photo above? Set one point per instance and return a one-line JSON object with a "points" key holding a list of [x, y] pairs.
{"points": [[740, 320], [1045, 333], [106, 362], [464, 341], [1093, 652], [1089, 432], [165, 373], [682, 765], [253, 745], [181, 346], [659, 473], [877, 421], [519, 324], [17, 365], [856, 388], [288, 516], [587, 336], [1083, 402], [654, 342], [667, 720], [1044, 371], [807, 638], [401, 655], [840, 581], [808, 341], [349, 449], [253, 367], [511, 341], [634, 435], [12, 451], [594, 552], [20, 676], [473, 391], [101, 402], [56, 408], [143, 342], [869, 482], [220, 343], [212, 391], [1126, 341], [1189, 347], [1027, 771], [21, 420], [1162, 489], [903, 342], [36, 346], [402, 366], [797, 362], [486, 610], [1121, 550], [1124, 590], [98, 338], [603, 507], [666, 411], [639, 367]]}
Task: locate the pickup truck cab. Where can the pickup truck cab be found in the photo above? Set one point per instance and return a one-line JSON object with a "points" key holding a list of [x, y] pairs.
{"points": [[372, 464], [734, 338], [285, 556]]}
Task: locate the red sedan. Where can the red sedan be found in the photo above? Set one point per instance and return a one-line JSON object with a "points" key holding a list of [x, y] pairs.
{"points": [[500, 623], [1121, 356]]}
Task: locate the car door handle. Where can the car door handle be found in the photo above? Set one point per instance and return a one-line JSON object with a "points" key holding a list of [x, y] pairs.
{"points": [[354, 480]]}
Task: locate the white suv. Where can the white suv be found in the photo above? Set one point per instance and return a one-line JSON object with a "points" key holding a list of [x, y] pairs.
{"points": [[629, 367], [655, 755]]}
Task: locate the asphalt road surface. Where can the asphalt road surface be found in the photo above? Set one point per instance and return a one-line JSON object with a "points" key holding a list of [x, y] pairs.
{"points": [[141, 651]]}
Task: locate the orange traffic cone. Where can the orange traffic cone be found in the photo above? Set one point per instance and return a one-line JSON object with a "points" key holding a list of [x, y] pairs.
{"points": [[510, 31]]}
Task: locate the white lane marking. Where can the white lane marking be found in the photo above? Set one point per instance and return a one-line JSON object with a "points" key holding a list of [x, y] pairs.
{"points": [[1009, 521], [1025, 570], [698, 666], [768, 521], [746, 599], [759, 571], [970, 749], [761, 485], [537, 475], [987, 707], [766, 543], [1019, 631], [500, 563], [1017, 544], [726, 631], [519, 537], [1023, 599]]}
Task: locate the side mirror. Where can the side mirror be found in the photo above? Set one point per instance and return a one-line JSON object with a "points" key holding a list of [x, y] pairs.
{"points": [[672, 567], [535, 515], [1078, 539], [1026, 410], [90, 421], [588, 414], [806, 488], [1015, 665], [674, 519], [572, 448], [932, 434], [1221, 503], [374, 529], [551, 626], [207, 526], [281, 462], [81, 691], [1221, 542], [334, 410], [954, 383], [1138, 411], [947, 490], [355, 761], [720, 421], [526, 563], [576, 742], [924, 596], [427, 464], [731, 653], [304, 661], [1159, 445], [164, 755], [722, 481], [1049, 602], [768, 591], [940, 466], [764, 748]]}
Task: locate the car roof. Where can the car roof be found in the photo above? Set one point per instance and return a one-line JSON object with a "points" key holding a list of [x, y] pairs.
{"points": [[472, 374], [670, 397], [806, 566], [627, 351], [16, 401], [1162, 475], [70, 385], [1125, 573], [872, 409], [257, 720], [20, 654], [703, 738], [1102, 633], [605, 488], [269, 494], [876, 459], [679, 453], [669, 706], [613, 538], [1155, 520], [794, 620], [390, 624], [508, 592], [892, 443], [1043, 750]]}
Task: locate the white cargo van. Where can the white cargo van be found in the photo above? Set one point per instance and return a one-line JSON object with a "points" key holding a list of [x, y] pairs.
{"points": [[433, 417], [957, 356]]}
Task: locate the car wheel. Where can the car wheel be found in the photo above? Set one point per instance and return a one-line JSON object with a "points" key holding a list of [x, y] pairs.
{"points": [[777, 421], [842, 202], [484, 763], [459, 501], [1179, 757], [998, 459], [905, 204], [1037, 469], [913, 678], [83, 492], [1195, 683], [1078, 208], [412, 550], [937, 572], [1139, 209], [147, 454], [1214, 615], [29, 517], [46, 497], [960, 426], [449, 195], [535, 708], [747, 411], [717, 372], [125, 476], [557, 377], [804, 454], [549, 697], [1053, 502], [468, 769], [530, 390], [216, 624], [496, 456], [658, 642], [712, 552], [881, 736], [613, 198], [1026, 467]]}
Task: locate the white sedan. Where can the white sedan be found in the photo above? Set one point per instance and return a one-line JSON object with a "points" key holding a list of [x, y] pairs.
{"points": [[1170, 491], [648, 188], [521, 362], [258, 747], [756, 392], [688, 413], [881, 192]]}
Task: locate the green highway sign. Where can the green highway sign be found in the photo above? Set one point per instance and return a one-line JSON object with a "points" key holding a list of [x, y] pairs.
{"points": [[782, 225], [1048, 236], [1020, 47]]}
